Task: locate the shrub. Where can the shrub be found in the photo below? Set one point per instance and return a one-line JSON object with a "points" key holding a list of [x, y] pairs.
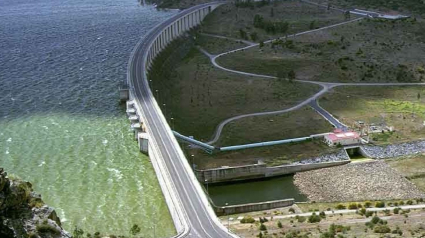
{"points": [[382, 229], [248, 219], [380, 204], [369, 213], [362, 211], [300, 219], [352, 206], [291, 210], [322, 214], [396, 210], [375, 220], [314, 218], [263, 227], [367, 204], [279, 224], [409, 202], [340, 207]]}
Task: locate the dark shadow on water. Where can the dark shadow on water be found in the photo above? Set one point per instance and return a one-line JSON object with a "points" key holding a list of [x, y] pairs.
{"points": [[255, 191]]}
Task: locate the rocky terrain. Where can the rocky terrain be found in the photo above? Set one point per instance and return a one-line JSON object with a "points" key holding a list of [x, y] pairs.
{"points": [[334, 157], [391, 151], [23, 213], [356, 182]]}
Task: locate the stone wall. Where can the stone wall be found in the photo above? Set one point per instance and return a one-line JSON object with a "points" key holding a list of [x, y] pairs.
{"points": [[251, 207]]}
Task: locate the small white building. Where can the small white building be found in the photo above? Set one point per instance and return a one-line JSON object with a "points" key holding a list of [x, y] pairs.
{"points": [[342, 138]]}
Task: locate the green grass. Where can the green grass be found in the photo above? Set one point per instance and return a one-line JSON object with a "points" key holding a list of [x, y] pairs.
{"points": [[228, 19], [215, 45], [412, 167], [271, 155], [392, 106], [365, 51], [300, 123], [199, 96]]}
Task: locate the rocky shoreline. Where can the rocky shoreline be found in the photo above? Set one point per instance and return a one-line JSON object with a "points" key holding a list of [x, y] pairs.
{"points": [[397, 150], [356, 182], [23, 212]]}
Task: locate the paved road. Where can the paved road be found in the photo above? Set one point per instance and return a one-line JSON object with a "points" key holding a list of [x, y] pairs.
{"points": [[325, 114], [202, 223], [326, 86]]}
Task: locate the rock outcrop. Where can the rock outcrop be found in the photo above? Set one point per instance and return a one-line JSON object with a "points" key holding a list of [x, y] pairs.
{"points": [[23, 213]]}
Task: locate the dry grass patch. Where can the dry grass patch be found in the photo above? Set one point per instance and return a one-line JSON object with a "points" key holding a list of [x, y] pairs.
{"points": [[300, 123], [400, 107], [271, 155], [228, 19], [199, 96], [364, 51]]}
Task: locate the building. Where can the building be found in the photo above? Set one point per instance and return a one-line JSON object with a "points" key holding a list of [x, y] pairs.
{"points": [[342, 138]]}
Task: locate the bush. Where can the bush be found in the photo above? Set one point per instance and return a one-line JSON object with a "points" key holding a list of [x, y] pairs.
{"points": [[409, 202], [291, 210], [300, 219], [340, 207], [263, 227], [367, 204], [279, 224], [396, 210], [352, 206], [248, 219], [380, 204], [322, 215], [382, 229], [314, 218], [369, 213]]}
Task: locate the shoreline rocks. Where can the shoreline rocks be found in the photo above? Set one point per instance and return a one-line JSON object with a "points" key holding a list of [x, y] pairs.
{"points": [[356, 182], [396, 150], [23, 212], [333, 157]]}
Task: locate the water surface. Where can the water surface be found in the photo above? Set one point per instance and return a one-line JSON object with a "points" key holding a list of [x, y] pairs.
{"points": [[61, 126]]}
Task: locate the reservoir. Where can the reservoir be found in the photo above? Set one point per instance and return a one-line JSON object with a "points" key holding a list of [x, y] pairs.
{"points": [[61, 126], [255, 191]]}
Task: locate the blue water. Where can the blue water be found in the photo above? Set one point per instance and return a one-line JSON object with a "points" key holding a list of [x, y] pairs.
{"points": [[61, 126]]}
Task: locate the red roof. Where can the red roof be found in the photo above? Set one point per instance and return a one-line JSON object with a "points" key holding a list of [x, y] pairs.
{"points": [[334, 137]]}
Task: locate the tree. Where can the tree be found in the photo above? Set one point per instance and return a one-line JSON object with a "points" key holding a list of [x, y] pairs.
{"points": [[271, 12], [419, 96], [135, 230]]}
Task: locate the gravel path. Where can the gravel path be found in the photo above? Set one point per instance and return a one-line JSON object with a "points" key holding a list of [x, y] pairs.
{"points": [[355, 182]]}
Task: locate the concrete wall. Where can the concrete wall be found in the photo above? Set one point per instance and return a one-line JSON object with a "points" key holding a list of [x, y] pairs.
{"points": [[227, 174], [251, 207], [257, 171], [291, 169]]}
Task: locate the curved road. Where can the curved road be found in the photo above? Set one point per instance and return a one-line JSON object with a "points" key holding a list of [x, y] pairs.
{"points": [[326, 86], [199, 216]]}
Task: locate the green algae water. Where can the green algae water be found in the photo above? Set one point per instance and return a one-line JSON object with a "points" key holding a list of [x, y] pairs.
{"points": [[61, 126]]}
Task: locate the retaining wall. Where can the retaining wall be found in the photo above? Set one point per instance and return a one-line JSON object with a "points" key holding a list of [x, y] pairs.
{"points": [[257, 171], [251, 207]]}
